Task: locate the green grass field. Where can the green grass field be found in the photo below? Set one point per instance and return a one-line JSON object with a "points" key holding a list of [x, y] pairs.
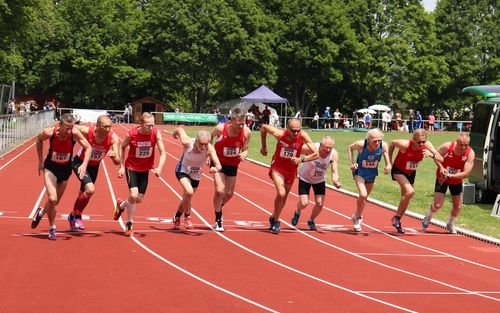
{"points": [[475, 217]]}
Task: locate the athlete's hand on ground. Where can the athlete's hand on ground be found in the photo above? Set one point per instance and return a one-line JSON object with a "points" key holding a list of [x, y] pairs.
{"points": [[387, 169], [263, 151], [354, 166], [121, 172]]}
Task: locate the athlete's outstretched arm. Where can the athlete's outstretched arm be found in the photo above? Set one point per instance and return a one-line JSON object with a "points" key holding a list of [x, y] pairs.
{"points": [[387, 159], [358, 146], [335, 171], [215, 160], [180, 133], [82, 169], [115, 148], [163, 155], [277, 133], [125, 143], [44, 135]]}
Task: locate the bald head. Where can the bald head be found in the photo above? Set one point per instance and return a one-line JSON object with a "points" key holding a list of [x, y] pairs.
{"points": [[294, 123], [374, 133], [327, 141], [203, 136], [419, 132]]}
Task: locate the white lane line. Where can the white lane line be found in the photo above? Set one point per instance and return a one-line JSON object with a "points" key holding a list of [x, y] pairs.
{"points": [[426, 292], [147, 249], [404, 255], [12, 160], [387, 234], [281, 264], [37, 203]]}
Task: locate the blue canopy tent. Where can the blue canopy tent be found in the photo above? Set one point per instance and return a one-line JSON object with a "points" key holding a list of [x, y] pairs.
{"points": [[266, 95]]}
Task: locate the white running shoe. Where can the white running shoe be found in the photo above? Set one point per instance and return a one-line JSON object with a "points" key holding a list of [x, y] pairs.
{"points": [[356, 222], [425, 222], [451, 228], [218, 226]]}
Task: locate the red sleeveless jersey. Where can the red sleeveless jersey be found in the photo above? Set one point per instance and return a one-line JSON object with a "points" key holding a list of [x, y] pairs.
{"points": [[228, 148], [454, 163], [60, 152], [407, 162], [99, 150], [141, 154], [285, 150]]}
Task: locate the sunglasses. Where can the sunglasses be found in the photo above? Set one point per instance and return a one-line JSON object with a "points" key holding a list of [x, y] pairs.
{"points": [[377, 141], [105, 126], [295, 131], [421, 142]]}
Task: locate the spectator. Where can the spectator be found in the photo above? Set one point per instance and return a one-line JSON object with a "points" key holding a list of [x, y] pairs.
{"points": [[411, 122], [265, 115], [127, 112], [398, 120], [315, 121], [327, 117], [336, 118], [386, 121], [367, 118], [418, 120], [432, 120]]}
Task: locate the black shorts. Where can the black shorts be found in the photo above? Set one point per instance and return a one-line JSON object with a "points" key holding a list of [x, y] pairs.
{"points": [[410, 177], [455, 190], [137, 179], [304, 188], [229, 170], [194, 183], [61, 171], [90, 174]]}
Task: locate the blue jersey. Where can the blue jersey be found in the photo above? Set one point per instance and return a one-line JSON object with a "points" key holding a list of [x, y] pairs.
{"points": [[368, 163]]}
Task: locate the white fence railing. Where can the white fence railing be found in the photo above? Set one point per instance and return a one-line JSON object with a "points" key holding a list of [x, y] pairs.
{"points": [[17, 128]]}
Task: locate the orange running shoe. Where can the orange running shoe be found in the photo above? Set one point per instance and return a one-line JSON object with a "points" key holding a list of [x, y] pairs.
{"points": [[118, 210]]}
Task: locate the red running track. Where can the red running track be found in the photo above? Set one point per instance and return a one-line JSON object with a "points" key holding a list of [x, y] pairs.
{"points": [[244, 269]]}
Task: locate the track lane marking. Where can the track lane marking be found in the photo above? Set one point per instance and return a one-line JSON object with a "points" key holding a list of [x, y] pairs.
{"points": [[166, 261]]}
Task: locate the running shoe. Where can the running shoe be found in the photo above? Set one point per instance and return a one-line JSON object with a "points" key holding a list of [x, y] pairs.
{"points": [[396, 222], [71, 220], [271, 222], [312, 225], [451, 228], [276, 228], [356, 222], [218, 226], [187, 222], [37, 218], [118, 210], [129, 229], [52, 234], [425, 222], [79, 222], [176, 221], [295, 218]]}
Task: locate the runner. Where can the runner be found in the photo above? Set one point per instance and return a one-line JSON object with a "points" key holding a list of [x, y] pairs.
{"points": [[457, 165], [312, 174], [365, 170], [101, 139], [232, 147], [57, 165], [189, 169], [140, 160], [404, 167], [286, 158]]}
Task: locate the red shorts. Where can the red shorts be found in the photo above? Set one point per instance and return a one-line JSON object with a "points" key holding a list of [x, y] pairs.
{"points": [[287, 175]]}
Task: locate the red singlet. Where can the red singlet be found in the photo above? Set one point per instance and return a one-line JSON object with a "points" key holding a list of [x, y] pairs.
{"points": [[141, 155], [454, 163], [228, 148], [60, 151], [99, 150], [407, 162]]}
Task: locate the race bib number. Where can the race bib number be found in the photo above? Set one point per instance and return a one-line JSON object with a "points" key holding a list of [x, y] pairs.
{"points": [[411, 165], [452, 170], [143, 152], [231, 152], [194, 170], [369, 164], [287, 153], [97, 154], [316, 174], [60, 157]]}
